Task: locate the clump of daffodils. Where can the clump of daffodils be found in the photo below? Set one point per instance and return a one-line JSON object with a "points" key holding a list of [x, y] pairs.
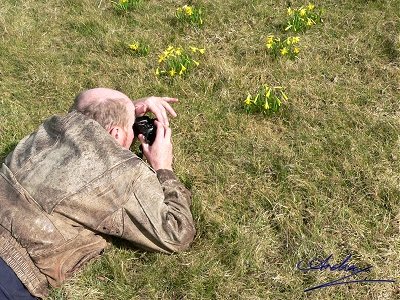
{"points": [[267, 100], [125, 5], [302, 18], [177, 61], [139, 48], [189, 15], [283, 47]]}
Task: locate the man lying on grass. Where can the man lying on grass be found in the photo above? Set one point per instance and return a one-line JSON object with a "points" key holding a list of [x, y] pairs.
{"points": [[74, 181]]}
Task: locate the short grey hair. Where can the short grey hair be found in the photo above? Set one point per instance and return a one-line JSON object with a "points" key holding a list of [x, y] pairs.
{"points": [[107, 112]]}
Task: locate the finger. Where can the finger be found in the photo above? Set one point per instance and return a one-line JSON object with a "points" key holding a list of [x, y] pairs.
{"points": [[140, 109], [142, 140], [160, 114], [168, 134], [165, 120], [160, 130], [169, 99], [169, 108]]}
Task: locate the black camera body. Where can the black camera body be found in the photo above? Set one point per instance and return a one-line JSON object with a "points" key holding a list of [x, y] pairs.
{"points": [[145, 125]]}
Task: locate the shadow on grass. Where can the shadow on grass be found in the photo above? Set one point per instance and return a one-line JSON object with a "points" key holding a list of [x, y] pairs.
{"points": [[6, 150]]}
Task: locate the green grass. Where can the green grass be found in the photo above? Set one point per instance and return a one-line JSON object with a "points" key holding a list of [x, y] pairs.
{"points": [[320, 177]]}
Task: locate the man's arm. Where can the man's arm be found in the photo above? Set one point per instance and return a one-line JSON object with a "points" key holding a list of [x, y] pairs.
{"points": [[158, 216], [171, 221]]}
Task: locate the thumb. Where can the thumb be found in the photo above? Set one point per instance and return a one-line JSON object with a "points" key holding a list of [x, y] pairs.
{"points": [[143, 142]]}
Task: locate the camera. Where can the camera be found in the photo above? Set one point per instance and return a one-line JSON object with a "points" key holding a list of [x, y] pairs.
{"points": [[145, 125]]}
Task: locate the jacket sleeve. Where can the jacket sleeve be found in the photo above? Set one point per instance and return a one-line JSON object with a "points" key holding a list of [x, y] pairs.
{"points": [[157, 214]]}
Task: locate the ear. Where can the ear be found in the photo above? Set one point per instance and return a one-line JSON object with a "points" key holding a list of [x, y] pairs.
{"points": [[118, 134]]}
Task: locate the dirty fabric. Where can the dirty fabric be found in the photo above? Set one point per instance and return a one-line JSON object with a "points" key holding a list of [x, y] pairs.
{"points": [[70, 183]]}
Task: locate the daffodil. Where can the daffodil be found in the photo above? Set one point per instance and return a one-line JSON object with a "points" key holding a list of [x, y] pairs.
{"points": [[290, 11], [266, 105], [157, 71], [295, 39], [202, 50], [134, 46], [161, 58], [183, 69], [248, 100], [270, 39], [267, 91], [284, 51], [296, 50], [178, 51], [256, 98], [123, 1], [269, 45], [310, 22], [172, 72], [310, 6], [195, 62], [303, 12], [188, 10]]}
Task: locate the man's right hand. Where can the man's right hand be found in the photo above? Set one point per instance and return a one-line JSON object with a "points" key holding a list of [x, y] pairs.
{"points": [[159, 154]]}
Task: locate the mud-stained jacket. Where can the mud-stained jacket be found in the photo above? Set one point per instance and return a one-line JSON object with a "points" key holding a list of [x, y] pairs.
{"points": [[69, 184]]}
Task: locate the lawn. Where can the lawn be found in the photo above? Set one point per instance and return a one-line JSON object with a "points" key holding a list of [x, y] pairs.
{"points": [[318, 177]]}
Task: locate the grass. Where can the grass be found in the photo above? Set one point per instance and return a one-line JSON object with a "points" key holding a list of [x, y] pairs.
{"points": [[320, 177]]}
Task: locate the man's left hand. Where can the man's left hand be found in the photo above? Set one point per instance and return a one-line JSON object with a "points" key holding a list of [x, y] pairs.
{"points": [[159, 106]]}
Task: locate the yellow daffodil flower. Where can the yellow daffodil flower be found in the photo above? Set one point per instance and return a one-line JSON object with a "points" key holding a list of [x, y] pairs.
{"points": [[123, 1], [172, 72], [290, 11], [161, 58], [134, 46], [310, 6], [310, 22], [193, 49], [270, 39], [296, 50], [269, 45], [284, 51], [195, 62], [266, 105], [267, 92], [188, 10], [157, 71], [202, 50], [295, 39], [303, 12], [248, 100], [183, 69], [178, 51]]}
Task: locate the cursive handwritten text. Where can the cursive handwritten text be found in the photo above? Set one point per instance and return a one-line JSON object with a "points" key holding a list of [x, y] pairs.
{"points": [[344, 266]]}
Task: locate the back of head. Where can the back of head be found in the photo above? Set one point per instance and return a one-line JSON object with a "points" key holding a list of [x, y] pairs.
{"points": [[107, 107]]}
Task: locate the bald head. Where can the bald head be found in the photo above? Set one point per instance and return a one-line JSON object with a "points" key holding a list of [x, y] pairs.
{"points": [[106, 106], [96, 96]]}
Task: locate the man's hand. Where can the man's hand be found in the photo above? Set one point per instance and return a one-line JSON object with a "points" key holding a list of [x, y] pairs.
{"points": [[159, 154], [159, 106]]}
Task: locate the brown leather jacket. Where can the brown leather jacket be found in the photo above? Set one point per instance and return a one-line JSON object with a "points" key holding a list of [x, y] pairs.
{"points": [[69, 184]]}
